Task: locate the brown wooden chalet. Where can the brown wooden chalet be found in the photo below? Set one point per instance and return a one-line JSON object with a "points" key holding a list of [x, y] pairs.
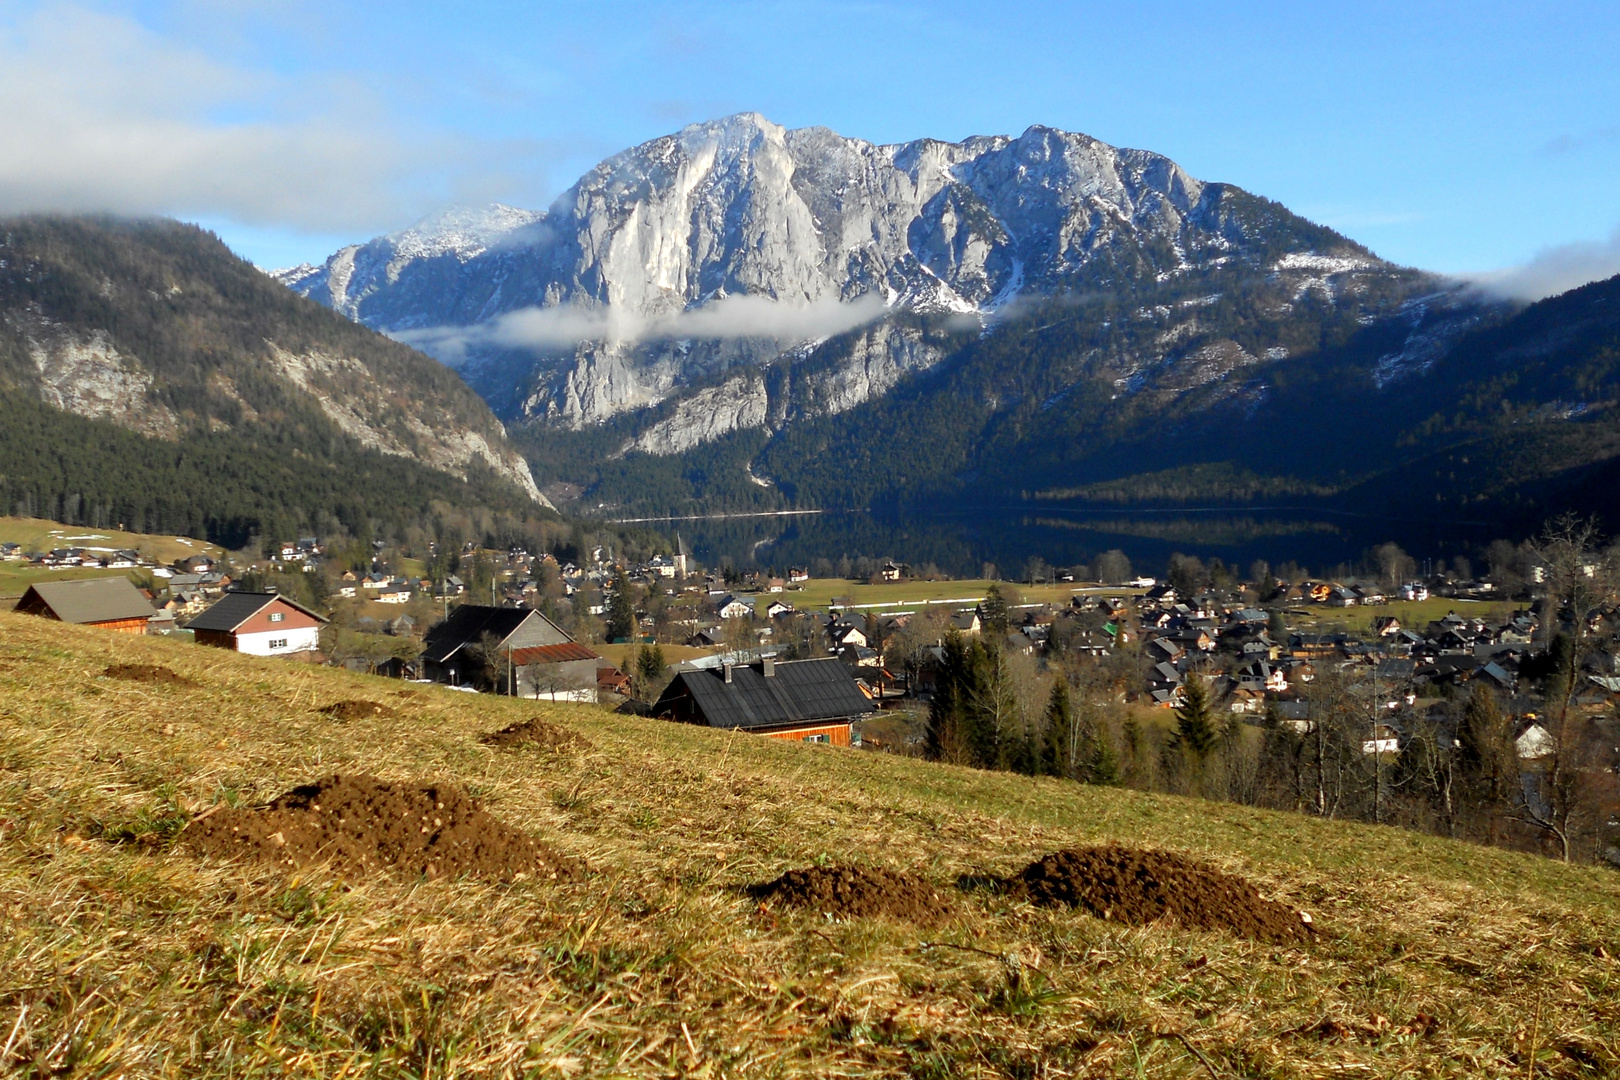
{"points": [[111, 603], [802, 700]]}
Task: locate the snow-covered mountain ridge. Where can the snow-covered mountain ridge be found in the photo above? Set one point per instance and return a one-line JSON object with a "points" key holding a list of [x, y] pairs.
{"points": [[739, 243]]}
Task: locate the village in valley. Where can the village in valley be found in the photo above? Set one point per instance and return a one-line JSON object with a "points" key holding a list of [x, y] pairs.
{"points": [[860, 661]]}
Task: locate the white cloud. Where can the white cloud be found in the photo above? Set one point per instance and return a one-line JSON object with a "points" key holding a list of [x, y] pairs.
{"points": [[98, 113], [1555, 270], [540, 328]]}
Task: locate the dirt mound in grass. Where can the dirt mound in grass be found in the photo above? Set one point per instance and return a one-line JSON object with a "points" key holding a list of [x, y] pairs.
{"points": [[1133, 886], [147, 673], [854, 892], [359, 710], [360, 826], [536, 732]]}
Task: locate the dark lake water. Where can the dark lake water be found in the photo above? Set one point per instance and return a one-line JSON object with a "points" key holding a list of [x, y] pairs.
{"points": [[960, 540]]}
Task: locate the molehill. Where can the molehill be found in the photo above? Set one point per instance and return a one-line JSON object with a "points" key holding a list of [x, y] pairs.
{"points": [[360, 826], [536, 732], [854, 892], [147, 673], [1133, 886]]}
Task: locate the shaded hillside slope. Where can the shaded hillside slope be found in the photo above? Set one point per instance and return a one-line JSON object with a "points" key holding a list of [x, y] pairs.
{"points": [[1516, 417], [125, 955], [146, 370]]}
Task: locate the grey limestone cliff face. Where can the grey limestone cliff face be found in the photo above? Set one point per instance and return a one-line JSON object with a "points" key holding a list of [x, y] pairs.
{"points": [[87, 375], [662, 267], [737, 403], [379, 419]]}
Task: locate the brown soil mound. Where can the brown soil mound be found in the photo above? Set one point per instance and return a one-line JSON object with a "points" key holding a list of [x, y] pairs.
{"points": [[854, 892], [1134, 886], [147, 673], [537, 732], [359, 710], [360, 825]]}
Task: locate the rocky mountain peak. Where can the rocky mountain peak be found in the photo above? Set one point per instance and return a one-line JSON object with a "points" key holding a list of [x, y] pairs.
{"points": [[693, 239], [464, 232]]}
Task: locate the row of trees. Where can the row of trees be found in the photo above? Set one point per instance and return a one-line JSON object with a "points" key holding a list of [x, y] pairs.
{"points": [[1457, 771], [1535, 772]]}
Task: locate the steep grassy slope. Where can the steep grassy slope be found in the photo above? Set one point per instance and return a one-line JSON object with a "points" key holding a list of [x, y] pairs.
{"points": [[135, 960]]}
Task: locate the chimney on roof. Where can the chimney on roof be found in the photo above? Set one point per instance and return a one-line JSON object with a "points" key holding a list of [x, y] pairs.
{"points": [[768, 666], [727, 667]]}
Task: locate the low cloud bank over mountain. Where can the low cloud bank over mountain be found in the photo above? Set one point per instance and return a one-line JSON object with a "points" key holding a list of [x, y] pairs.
{"points": [[730, 317], [1556, 270]]}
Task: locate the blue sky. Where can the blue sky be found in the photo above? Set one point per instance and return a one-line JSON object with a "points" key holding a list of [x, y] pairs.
{"points": [[1459, 137]]}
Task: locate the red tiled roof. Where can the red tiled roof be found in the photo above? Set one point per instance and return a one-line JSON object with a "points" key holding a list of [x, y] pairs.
{"points": [[551, 654]]}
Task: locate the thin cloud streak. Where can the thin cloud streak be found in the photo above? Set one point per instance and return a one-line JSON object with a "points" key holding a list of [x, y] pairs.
{"points": [[545, 328]]}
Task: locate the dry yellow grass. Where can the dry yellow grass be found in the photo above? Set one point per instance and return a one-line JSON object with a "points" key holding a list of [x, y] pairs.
{"points": [[134, 959]]}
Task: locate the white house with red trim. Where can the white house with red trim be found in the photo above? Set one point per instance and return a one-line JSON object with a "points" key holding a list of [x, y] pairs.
{"points": [[261, 624]]}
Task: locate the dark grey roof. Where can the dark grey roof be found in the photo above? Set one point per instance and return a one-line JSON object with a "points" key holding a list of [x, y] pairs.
{"points": [[801, 691], [467, 624], [236, 608], [96, 600]]}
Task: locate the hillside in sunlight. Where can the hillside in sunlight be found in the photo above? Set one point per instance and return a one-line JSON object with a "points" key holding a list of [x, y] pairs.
{"points": [[124, 952]]}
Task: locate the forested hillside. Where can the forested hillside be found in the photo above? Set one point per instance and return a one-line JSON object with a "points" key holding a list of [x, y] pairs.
{"points": [[1450, 406], [150, 378]]}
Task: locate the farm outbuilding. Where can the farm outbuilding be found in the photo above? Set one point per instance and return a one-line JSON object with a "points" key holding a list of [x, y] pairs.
{"points": [[547, 661], [111, 603]]}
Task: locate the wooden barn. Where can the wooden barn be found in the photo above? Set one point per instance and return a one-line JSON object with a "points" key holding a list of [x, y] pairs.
{"points": [[548, 662], [111, 603], [803, 700]]}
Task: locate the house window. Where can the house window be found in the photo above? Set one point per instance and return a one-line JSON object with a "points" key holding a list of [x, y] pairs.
{"points": [[278, 643], [277, 616], [818, 738]]}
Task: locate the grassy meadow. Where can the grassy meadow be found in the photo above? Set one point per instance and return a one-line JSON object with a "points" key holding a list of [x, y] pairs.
{"points": [[124, 956], [1414, 614], [818, 593], [35, 534]]}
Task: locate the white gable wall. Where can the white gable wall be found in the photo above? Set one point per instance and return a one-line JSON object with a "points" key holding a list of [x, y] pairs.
{"points": [[279, 642]]}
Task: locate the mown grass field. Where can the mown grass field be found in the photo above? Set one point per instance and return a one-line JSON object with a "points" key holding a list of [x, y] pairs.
{"points": [[35, 534], [818, 593], [1414, 615], [623, 656], [1435, 959]]}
